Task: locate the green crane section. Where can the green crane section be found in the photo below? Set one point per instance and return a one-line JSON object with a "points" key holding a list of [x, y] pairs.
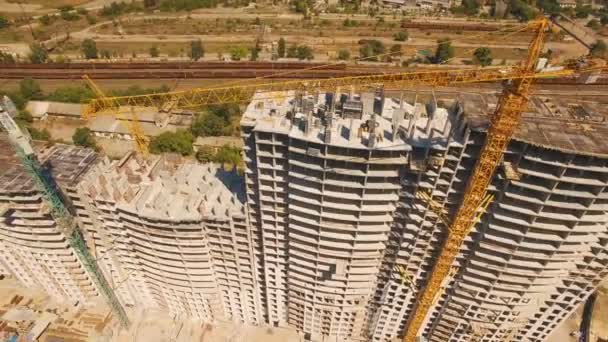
{"points": [[59, 209]]}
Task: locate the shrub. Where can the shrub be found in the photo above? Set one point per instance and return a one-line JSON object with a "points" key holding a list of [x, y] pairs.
{"points": [[179, 141], [401, 36], [83, 137], [343, 55]]}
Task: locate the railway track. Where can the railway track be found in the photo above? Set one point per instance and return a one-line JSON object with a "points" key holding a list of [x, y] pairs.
{"points": [[212, 70]]}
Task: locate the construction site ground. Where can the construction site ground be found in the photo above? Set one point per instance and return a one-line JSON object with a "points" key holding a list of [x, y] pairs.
{"points": [[75, 323], [599, 323]]}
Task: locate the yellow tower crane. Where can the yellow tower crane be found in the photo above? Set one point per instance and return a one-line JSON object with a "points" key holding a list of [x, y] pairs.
{"points": [[503, 123], [512, 103], [140, 138]]}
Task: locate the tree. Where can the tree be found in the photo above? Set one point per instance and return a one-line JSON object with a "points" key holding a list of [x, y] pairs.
{"points": [[292, 51], [150, 3], [238, 52], [4, 23], [444, 51], [281, 47], [6, 58], [482, 56], [255, 51], [24, 119], [470, 7], [228, 154], [30, 89], [38, 54], [401, 36], [549, 6], [371, 49], [179, 141], [83, 137], [154, 52], [598, 49], [521, 10], [343, 55], [46, 19], [305, 52], [89, 49], [582, 11], [208, 124], [67, 13], [594, 24], [197, 50]]}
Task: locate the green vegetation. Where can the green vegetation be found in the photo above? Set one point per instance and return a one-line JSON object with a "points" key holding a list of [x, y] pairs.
{"points": [[71, 94], [6, 58], [154, 52], [371, 49], [300, 52], [186, 5], [444, 51], [521, 10], [30, 89], [83, 137], [549, 6], [67, 13], [197, 50], [238, 52], [401, 36], [89, 49], [24, 120], [594, 24], [350, 23], [38, 54], [254, 52], [281, 47], [225, 154], [118, 8], [604, 19], [582, 11], [599, 49], [179, 141], [47, 19], [343, 55], [467, 7], [4, 23], [216, 120], [482, 56], [301, 6]]}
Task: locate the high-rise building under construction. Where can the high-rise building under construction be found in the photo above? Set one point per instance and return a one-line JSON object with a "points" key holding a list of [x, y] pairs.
{"points": [[339, 218]]}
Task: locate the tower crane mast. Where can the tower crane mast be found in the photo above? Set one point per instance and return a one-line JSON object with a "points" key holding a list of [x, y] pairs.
{"points": [[503, 123], [58, 207]]}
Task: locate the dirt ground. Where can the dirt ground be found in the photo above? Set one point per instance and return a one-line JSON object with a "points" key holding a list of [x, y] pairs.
{"points": [[599, 321]]}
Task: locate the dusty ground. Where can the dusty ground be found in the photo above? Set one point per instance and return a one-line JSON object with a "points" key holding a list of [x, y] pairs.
{"points": [[75, 321], [599, 322]]}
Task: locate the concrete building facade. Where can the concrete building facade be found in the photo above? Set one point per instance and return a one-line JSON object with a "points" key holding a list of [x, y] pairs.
{"points": [[332, 184], [33, 248], [327, 232]]}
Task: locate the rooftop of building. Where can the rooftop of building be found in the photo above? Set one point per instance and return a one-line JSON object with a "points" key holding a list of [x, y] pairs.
{"points": [[168, 187], [408, 118], [562, 123], [66, 163], [39, 109], [350, 120]]}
